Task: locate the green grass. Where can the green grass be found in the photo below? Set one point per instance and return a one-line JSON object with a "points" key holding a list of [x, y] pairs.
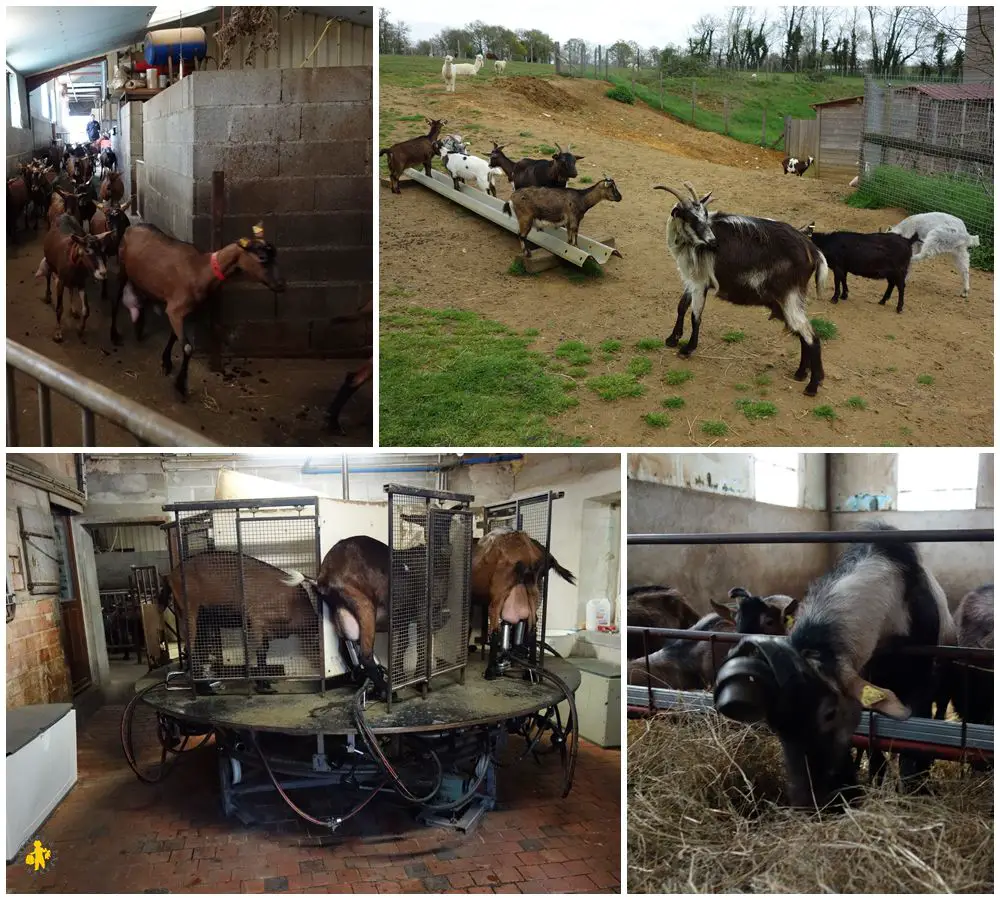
{"points": [[525, 134], [577, 371], [452, 378], [585, 179], [616, 385], [856, 403], [756, 409], [741, 387], [517, 268], [610, 345], [733, 337], [657, 420], [925, 379], [762, 380], [649, 343], [640, 365], [673, 403], [678, 376], [714, 429], [621, 93], [825, 412], [531, 332], [590, 269], [824, 328], [546, 149], [576, 353], [890, 337], [894, 187]]}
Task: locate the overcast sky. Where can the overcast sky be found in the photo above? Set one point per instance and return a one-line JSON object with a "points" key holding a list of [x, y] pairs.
{"points": [[597, 23]]}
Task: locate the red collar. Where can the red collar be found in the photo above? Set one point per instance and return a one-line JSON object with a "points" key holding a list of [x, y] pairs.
{"points": [[217, 269]]}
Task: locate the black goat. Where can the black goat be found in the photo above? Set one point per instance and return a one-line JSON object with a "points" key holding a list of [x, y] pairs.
{"points": [[868, 255], [528, 172]]}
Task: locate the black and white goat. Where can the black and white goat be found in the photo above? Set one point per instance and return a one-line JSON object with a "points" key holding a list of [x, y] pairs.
{"points": [[748, 261], [790, 165], [936, 233], [811, 689], [875, 256]]}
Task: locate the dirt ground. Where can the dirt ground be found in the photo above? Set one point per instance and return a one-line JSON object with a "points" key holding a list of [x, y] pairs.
{"points": [[436, 258], [252, 403]]}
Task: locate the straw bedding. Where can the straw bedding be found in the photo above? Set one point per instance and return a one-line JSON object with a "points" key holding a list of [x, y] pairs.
{"points": [[705, 814]]}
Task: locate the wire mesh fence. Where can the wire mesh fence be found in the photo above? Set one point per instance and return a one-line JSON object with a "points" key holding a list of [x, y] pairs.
{"points": [[928, 147], [241, 622], [430, 553]]}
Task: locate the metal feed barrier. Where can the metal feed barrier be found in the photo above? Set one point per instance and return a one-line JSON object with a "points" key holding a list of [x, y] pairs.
{"points": [[946, 740], [549, 238], [149, 427]]}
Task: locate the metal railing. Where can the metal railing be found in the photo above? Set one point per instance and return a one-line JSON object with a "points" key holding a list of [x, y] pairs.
{"points": [[945, 739], [148, 427]]}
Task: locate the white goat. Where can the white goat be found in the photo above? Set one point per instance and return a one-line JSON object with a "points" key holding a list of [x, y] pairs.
{"points": [[463, 167], [937, 233], [499, 66], [450, 69]]}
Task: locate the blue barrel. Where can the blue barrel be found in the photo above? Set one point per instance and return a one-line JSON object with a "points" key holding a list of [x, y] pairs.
{"points": [[179, 43]]}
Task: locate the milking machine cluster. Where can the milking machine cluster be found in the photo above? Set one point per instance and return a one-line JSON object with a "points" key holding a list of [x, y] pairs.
{"points": [[426, 742]]}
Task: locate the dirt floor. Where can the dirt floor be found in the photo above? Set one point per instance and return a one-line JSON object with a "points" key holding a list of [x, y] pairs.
{"points": [[252, 403], [114, 834], [436, 258]]}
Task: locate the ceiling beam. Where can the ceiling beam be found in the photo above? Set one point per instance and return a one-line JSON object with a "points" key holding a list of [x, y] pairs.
{"points": [[33, 81]]}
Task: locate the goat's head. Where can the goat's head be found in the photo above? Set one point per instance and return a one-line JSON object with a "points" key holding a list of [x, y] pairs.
{"points": [[608, 189], [566, 161], [115, 214], [692, 216], [757, 615], [258, 258], [435, 126], [87, 250]]}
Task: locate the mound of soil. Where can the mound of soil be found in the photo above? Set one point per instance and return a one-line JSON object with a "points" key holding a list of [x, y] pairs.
{"points": [[539, 92]]}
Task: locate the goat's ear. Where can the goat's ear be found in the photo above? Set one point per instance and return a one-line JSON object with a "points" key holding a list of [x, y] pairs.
{"points": [[725, 610], [577, 158], [706, 199], [78, 239]]}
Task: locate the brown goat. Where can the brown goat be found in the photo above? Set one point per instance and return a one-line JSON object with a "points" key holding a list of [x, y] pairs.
{"points": [[154, 266], [415, 151], [557, 206], [350, 386], [274, 609], [112, 187], [72, 256], [507, 568], [63, 203], [655, 606]]}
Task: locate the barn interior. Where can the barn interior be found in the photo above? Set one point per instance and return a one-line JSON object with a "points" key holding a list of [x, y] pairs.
{"points": [[220, 119], [728, 781], [89, 547]]}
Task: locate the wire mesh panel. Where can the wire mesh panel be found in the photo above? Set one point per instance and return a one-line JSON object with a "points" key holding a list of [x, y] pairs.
{"points": [[241, 621], [533, 516], [430, 550], [922, 139]]}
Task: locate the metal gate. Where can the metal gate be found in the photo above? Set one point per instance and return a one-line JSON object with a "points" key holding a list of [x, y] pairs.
{"points": [[239, 621], [122, 623], [430, 567], [533, 516]]}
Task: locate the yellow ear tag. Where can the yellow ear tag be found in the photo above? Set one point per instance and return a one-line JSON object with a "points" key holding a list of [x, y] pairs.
{"points": [[244, 243], [871, 695], [789, 622], [258, 230]]}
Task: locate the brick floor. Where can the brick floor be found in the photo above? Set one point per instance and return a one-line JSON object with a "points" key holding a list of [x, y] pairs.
{"points": [[114, 834]]}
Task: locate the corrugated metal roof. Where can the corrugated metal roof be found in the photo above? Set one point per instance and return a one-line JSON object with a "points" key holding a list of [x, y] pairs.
{"points": [[857, 98], [968, 91]]}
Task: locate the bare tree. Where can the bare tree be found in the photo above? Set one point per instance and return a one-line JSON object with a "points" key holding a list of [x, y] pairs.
{"points": [[897, 35]]}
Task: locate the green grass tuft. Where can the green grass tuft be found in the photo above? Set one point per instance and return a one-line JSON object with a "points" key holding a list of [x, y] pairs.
{"points": [[577, 371], [741, 387], [640, 365], [585, 179], [733, 337], [925, 379], [620, 93], [610, 345], [715, 429], [825, 412], [531, 332], [517, 268], [649, 343], [678, 376], [657, 420], [856, 403], [673, 403], [756, 409], [546, 149], [576, 353], [824, 328], [762, 380], [616, 385]]}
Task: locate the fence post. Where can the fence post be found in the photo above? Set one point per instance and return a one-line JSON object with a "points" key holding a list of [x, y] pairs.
{"points": [[661, 90], [633, 80], [788, 135], [694, 99], [557, 57], [763, 128], [725, 114]]}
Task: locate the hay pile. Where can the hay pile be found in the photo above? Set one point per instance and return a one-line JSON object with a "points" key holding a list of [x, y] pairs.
{"points": [[704, 815]]}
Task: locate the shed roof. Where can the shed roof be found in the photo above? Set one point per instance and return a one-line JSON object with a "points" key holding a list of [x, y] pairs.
{"points": [[857, 98], [968, 91]]}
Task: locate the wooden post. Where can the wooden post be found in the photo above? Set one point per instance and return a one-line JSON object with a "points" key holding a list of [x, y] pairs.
{"points": [[218, 214], [725, 113], [557, 57], [788, 136], [694, 99]]}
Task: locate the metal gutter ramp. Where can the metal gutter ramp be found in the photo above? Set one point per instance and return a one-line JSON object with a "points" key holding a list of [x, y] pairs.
{"points": [[549, 238]]}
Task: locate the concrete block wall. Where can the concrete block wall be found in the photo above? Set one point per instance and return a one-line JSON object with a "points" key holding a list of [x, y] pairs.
{"points": [[127, 143], [295, 146]]}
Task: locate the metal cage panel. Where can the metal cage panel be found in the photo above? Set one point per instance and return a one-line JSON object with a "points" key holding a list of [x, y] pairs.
{"points": [[241, 623], [430, 550]]}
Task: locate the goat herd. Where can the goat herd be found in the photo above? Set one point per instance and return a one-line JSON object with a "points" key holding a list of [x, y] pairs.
{"points": [[88, 226], [838, 659], [746, 260]]}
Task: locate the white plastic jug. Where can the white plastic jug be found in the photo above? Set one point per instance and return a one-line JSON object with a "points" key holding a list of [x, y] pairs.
{"points": [[598, 613]]}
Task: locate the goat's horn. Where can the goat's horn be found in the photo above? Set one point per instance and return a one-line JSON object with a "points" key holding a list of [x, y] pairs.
{"points": [[558, 148], [690, 187], [663, 187]]}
